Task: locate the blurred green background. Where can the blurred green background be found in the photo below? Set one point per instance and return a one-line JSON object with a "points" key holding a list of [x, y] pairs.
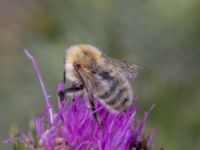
{"points": [[163, 36]]}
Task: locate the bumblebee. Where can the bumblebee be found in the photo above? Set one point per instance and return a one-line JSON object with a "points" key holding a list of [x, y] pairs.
{"points": [[101, 77]]}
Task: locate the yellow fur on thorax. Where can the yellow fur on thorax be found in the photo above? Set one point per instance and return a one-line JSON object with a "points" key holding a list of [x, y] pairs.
{"points": [[75, 54]]}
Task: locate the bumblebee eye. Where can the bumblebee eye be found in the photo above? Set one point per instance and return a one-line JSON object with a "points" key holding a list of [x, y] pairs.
{"points": [[77, 65], [94, 72]]}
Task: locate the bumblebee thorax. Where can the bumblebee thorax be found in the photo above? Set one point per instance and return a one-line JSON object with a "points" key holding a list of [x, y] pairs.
{"points": [[82, 54]]}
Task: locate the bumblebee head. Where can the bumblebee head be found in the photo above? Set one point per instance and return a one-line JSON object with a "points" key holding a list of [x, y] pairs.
{"points": [[82, 55]]}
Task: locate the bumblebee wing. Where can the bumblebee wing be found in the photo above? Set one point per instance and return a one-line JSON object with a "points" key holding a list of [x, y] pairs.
{"points": [[129, 69]]}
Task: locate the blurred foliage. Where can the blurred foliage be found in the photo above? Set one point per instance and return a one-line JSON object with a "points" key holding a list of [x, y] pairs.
{"points": [[161, 35]]}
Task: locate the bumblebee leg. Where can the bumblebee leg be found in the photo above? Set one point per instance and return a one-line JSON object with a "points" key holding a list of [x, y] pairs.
{"points": [[91, 98], [95, 114], [70, 90], [64, 76]]}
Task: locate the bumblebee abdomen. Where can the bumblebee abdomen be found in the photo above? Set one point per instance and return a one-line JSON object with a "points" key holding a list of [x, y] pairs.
{"points": [[118, 96], [120, 99], [114, 90]]}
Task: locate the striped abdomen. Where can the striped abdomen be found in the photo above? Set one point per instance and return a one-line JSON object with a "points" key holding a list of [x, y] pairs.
{"points": [[117, 94]]}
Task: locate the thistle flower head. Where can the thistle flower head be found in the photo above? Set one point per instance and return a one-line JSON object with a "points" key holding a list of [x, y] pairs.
{"points": [[74, 127]]}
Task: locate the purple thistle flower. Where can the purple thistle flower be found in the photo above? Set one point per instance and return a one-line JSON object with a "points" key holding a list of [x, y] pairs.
{"points": [[74, 127]]}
